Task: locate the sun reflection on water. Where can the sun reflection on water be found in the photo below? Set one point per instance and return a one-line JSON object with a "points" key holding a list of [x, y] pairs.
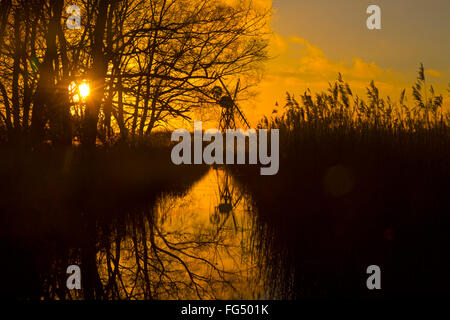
{"points": [[197, 246]]}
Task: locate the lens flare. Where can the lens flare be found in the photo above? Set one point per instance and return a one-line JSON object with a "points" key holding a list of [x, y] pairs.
{"points": [[83, 90]]}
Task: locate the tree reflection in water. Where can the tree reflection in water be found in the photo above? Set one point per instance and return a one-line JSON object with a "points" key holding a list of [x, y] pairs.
{"points": [[198, 246]]}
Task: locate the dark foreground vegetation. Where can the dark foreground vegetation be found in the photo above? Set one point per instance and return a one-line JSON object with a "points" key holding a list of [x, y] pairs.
{"points": [[62, 206], [360, 184]]}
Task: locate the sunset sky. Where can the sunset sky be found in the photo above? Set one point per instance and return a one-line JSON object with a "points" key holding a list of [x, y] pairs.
{"points": [[313, 40]]}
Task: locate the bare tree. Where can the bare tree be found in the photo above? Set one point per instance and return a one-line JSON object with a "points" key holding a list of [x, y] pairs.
{"points": [[148, 63]]}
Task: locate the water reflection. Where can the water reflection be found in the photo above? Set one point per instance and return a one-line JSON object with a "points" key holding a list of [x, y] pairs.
{"points": [[197, 246]]}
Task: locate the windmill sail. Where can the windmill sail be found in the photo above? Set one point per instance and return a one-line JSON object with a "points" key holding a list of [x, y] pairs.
{"points": [[241, 117]]}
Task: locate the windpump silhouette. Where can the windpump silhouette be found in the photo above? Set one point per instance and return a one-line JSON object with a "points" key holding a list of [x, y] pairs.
{"points": [[230, 111], [229, 196]]}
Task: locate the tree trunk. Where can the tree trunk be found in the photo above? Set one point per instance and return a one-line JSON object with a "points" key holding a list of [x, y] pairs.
{"points": [[16, 71], [43, 104], [97, 77]]}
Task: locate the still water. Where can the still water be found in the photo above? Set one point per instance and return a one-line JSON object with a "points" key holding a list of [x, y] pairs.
{"points": [[198, 245]]}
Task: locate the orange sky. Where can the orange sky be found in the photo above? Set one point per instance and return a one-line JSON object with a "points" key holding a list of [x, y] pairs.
{"points": [[390, 56]]}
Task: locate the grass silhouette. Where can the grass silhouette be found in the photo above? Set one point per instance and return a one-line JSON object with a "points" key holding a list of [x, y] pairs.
{"points": [[360, 183]]}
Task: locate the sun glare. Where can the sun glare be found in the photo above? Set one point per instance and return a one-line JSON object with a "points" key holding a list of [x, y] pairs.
{"points": [[79, 92], [84, 90]]}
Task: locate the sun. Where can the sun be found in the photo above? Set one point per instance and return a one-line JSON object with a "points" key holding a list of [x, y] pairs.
{"points": [[83, 89], [80, 92]]}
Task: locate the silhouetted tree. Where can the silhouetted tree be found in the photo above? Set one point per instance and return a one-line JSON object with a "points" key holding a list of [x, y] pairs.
{"points": [[147, 63]]}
